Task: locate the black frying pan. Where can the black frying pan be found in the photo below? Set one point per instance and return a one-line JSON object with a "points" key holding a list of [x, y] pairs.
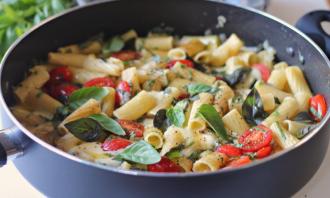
{"points": [[57, 174]]}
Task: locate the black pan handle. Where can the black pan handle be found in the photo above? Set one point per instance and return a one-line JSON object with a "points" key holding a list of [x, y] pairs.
{"points": [[310, 24], [12, 143]]}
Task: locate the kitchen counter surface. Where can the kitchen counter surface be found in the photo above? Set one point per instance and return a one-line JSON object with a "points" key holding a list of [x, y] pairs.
{"points": [[13, 185]]}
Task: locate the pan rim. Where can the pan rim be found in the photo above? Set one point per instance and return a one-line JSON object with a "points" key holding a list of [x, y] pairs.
{"points": [[145, 173]]}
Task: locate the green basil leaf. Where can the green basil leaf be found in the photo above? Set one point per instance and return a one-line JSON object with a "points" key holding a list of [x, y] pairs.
{"points": [[108, 124], [115, 44], [160, 120], [80, 96], [140, 152], [213, 119], [253, 109], [304, 117], [87, 130], [236, 76], [176, 116], [174, 154], [194, 88]]}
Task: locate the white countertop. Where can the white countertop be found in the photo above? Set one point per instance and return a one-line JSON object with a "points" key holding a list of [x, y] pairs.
{"points": [[13, 185]]}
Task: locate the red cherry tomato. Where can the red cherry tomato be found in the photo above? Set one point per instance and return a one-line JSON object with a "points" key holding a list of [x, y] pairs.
{"points": [[264, 71], [239, 162], [218, 78], [188, 63], [229, 150], [183, 96], [132, 127], [123, 93], [317, 107], [62, 91], [263, 152], [115, 144], [100, 82], [165, 165], [126, 55], [60, 74], [255, 138]]}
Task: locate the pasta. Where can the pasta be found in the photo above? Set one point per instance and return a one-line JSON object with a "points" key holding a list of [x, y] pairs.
{"points": [[168, 103]]}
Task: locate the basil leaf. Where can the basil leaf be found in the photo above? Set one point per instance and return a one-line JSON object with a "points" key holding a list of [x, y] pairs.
{"points": [[196, 88], [86, 129], [80, 96], [213, 119], [176, 116], [236, 76], [174, 154], [160, 120], [108, 124], [140, 152], [115, 44], [253, 109]]}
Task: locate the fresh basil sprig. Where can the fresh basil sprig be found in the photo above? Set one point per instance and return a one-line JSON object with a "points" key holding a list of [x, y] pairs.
{"points": [[80, 96], [176, 114], [211, 116], [196, 88], [253, 108], [94, 127], [140, 152]]}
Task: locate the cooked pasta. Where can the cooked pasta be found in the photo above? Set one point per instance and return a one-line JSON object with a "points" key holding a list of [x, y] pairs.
{"points": [[164, 103]]}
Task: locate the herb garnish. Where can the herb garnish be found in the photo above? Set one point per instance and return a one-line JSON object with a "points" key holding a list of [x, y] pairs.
{"points": [[253, 109]]}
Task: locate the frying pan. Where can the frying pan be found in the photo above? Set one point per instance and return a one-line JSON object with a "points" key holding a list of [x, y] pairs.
{"points": [[58, 174]]}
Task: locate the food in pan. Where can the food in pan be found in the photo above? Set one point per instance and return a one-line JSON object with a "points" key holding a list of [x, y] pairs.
{"points": [[165, 103]]}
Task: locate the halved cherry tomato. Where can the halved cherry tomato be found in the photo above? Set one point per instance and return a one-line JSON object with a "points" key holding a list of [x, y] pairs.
{"points": [[255, 138], [60, 74], [239, 162], [127, 55], [263, 152], [165, 165], [318, 107], [100, 82], [183, 96], [218, 78], [132, 127], [123, 93], [188, 63], [230, 150], [62, 91], [115, 144], [264, 71]]}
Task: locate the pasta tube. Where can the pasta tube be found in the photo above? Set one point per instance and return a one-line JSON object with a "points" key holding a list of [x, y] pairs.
{"points": [[263, 89], [196, 123], [176, 54], [210, 162], [159, 43], [235, 122], [173, 137], [282, 137], [154, 137], [108, 102]]}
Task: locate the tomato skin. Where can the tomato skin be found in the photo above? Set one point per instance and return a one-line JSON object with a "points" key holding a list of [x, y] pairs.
{"points": [[132, 127], [165, 165], [188, 63], [60, 74], [115, 144], [100, 82], [123, 93], [255, 138], [263, 152], [62, 91], [229, 150], [126, 55], [317, 107], [239, 162], [264, 71], [183, 96]]}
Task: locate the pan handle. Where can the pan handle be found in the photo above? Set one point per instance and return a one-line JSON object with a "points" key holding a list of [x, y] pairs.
{"points": [[310, 24], [12, 143]]}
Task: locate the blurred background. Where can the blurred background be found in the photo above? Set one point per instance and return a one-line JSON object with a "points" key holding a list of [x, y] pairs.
{"points": [[18, 16]]}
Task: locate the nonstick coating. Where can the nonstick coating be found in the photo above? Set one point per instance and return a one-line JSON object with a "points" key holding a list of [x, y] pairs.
{"points": [[58, 176]]}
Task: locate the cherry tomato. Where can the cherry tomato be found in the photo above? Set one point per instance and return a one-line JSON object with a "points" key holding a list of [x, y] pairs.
{"points": [[126, 55], [115, 144], [239, 162], [60, 74], [183, 96], [123, 93], [263, 152], [255, 138], [188, 63], [264, 71], [132, 127], [62, 91], [229, 150], [100, 82], [218, 78], [165, 165], [317, 107]]}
